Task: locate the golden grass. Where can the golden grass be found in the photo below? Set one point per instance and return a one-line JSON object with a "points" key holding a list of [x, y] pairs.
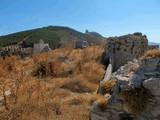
{"points": [[155, 53], [107, 87], [58, 91], [79, 85]]}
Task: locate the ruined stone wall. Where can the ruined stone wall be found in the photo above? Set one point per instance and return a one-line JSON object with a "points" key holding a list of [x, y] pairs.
{"points": [[126, 48], [12, 48], [39, 47], [140, 79]]}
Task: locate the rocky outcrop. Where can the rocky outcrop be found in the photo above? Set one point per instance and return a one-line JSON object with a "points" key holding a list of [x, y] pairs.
{"points": [[136, 95], [126, 48]]}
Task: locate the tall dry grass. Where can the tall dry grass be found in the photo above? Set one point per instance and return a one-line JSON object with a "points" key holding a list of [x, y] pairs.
{"points": [[59, 91], [155, 53]]}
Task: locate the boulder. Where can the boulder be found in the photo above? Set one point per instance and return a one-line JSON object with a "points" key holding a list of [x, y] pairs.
{"points": [[152, 84]]}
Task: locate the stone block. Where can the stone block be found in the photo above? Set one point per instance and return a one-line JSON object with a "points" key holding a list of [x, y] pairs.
{"points": [[152, 84]]}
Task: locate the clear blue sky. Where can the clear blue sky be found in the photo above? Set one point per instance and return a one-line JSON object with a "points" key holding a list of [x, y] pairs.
{"points": [[108, 17]]}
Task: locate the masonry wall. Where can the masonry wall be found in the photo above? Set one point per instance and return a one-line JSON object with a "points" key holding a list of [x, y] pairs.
{"points": [[126, 48], [38, 47]]}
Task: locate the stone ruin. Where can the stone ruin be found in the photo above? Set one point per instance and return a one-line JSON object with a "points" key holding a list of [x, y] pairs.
{"points": [[125, 48], [12, 48], [137, 74], [15, 50], [136, 93], [41, 47], [81, 44]]}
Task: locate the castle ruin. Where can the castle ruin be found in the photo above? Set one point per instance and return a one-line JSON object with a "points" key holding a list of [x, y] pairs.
{"points": [[125, 48], [39, 47]]}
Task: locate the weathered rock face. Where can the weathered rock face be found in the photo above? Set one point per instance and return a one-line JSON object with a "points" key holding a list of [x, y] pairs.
{"points": [[126, 48], [140, 80]]}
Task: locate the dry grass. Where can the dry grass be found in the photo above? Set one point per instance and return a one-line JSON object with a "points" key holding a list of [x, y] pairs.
{"points": [[58, 91], [107, 87], [155, 53], [79, 86], [136, 99]]}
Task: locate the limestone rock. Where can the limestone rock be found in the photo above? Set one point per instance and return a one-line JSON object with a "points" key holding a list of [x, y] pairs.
{"points": [[126, 48], [153, 84], [138, 73]]}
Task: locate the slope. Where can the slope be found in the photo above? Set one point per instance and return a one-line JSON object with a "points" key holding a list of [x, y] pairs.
{"points": [[51, 34]]}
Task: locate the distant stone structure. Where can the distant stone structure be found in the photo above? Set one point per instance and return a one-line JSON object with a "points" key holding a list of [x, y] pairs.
{"points": [[15, 50], [81, 44], [12, 48], [40, 47], [125, 48]]}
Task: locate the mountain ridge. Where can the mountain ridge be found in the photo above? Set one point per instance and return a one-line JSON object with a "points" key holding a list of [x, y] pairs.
{"points": [[53, 35]]}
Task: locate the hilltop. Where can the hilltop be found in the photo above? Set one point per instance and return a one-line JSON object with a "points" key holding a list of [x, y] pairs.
{"points": [[53, 35]]}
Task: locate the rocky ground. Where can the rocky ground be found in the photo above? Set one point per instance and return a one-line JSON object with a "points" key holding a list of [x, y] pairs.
{"points": [[136, 94]]}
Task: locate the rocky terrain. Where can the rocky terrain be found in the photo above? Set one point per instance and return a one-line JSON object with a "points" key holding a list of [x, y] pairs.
{"points": [[126, 48], [135, 95], [60, 84]]}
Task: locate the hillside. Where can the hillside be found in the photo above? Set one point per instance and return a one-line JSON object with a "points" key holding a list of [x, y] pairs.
{"points": [[54, 35]]}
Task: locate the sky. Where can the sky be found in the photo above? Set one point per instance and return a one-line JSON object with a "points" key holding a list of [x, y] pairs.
{"points": [[107, 17]]}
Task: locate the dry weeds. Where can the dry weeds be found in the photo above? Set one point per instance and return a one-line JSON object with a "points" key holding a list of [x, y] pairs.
{"points": [[59, 90], [107, 87], [155, 53]]}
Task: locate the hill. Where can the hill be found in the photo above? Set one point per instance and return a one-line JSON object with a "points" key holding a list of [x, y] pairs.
{"points": [[95, 34], [54, 35]]}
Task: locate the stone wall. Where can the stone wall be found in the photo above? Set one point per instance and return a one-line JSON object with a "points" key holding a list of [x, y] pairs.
{"points": [[39, 47], [12, 48], [126, 48], [138, 74]]}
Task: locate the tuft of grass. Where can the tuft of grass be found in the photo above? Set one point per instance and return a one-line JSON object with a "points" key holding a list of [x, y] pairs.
{"points": [[95, 97], [155, 53], [78, 100], [136, 99], [107, 87]]}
